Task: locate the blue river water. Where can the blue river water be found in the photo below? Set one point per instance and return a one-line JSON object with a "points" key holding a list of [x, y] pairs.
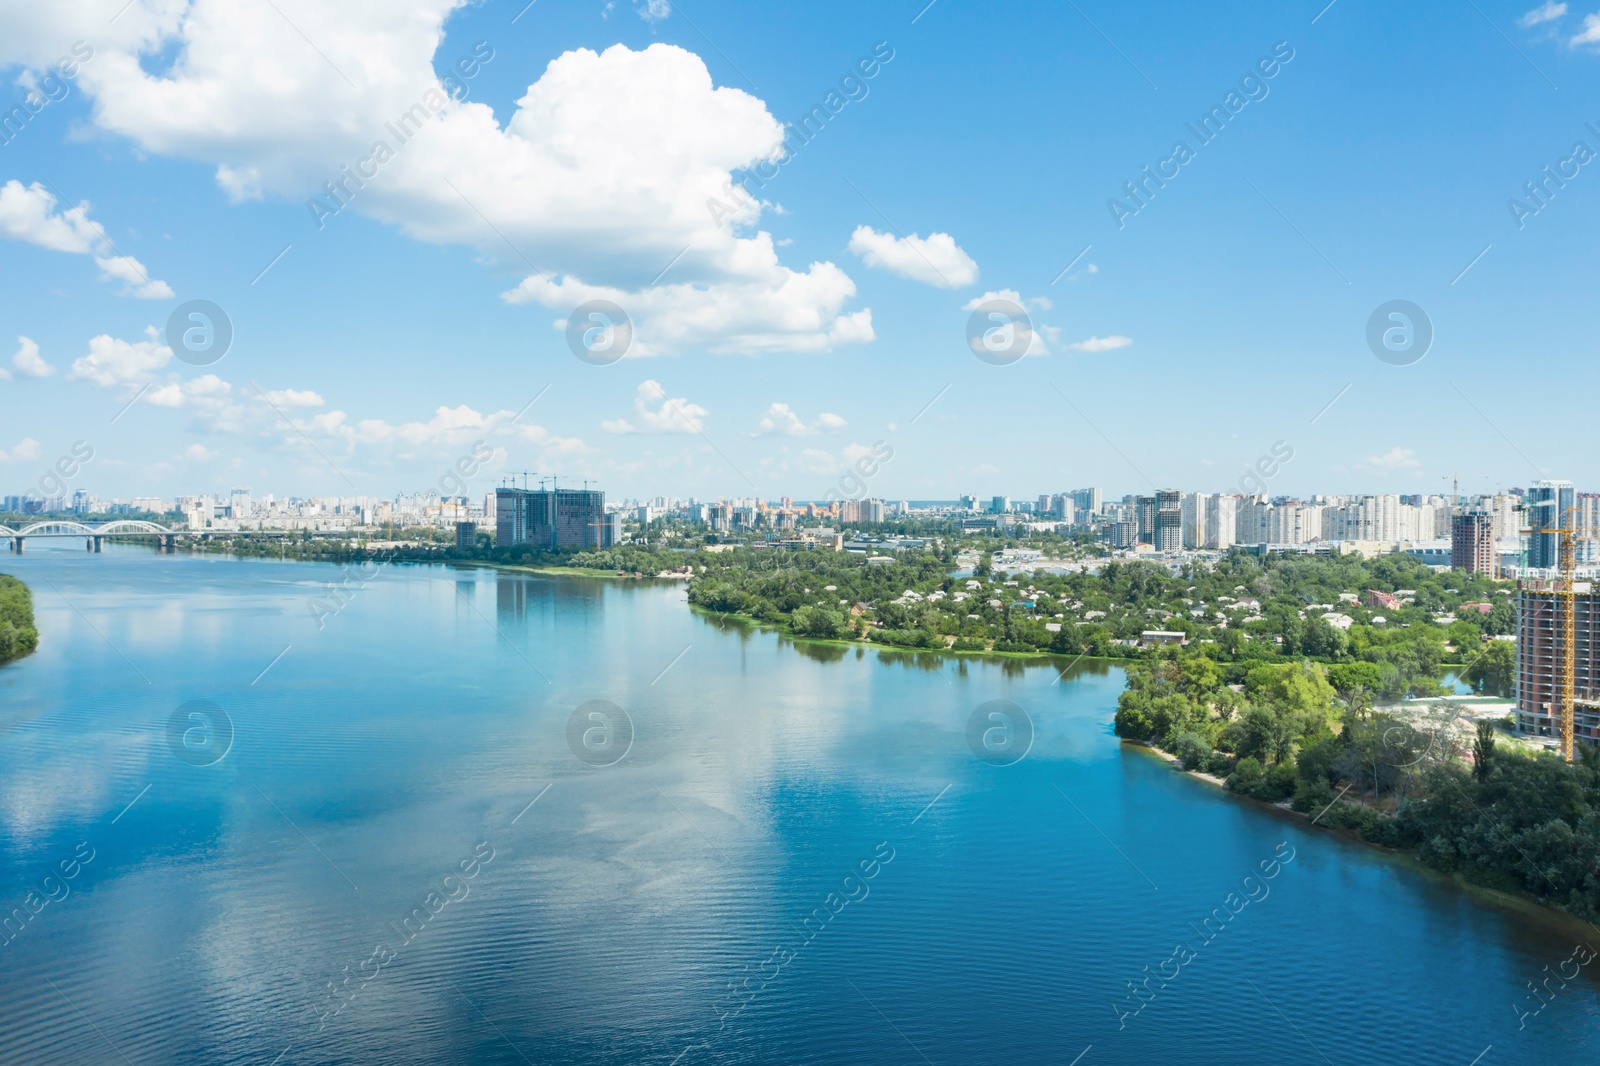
{"points": [[246, 819]]}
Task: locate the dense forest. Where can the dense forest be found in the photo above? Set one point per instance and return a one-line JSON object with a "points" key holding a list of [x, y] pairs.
{"points": [[17, 634], [1436, 787]]}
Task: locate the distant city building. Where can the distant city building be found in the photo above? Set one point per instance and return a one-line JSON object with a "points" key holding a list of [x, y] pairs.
{"points": [[1087, 501], [1194, 519], [1144, 517], [552, 519], [1000, 505], [1547, 505], [1472, 543], [239, 503], [466, 534], [1222, 514], [1122, 533], [1168, 525]]}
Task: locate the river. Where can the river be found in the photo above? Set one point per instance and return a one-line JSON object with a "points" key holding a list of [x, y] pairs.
{"points": [[243, 820]]}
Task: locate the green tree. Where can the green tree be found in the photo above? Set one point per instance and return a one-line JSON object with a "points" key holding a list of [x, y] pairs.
{"points": [[1494, 671], [1483, 751]]}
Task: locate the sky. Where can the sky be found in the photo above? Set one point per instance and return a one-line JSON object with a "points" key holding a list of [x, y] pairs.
{"points": [[716, 250]]}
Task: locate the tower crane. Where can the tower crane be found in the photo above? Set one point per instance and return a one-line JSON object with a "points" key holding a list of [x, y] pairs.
{"points": [[1566, 594]]}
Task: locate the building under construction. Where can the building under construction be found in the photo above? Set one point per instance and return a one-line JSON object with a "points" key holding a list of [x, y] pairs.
{"points": [[1540, 639]]}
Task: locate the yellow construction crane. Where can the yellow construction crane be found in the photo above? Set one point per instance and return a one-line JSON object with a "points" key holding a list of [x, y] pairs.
{"points": [[1567, 597]]}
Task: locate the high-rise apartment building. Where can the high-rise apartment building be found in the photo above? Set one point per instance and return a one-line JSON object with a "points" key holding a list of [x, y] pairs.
{"points": [[1122, 533], [552, 519], [1087, 501], [1547, 505], [1194, 519], [1472, 543], [1222, 513], [1168, 528], [1539, 640]]}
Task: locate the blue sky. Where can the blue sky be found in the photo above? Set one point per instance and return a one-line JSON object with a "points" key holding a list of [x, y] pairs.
{"points": [[1225, 315]]}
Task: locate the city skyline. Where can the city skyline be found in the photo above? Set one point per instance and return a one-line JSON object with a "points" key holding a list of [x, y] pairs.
{"points": [[787, 311]]}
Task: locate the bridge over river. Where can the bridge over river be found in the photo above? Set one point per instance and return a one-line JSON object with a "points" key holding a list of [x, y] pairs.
{"points": [[92, 536]]}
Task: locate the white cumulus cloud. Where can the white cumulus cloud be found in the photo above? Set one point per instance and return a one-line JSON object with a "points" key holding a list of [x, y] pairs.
{"points": [[655, 412], [112, 361], [29, 214], [601, 173], [780, 420], [1017, 327], [1547, 12], [1100, 344], [1395, 458], [27, 361], [936, 261], [653, 10], [25, 449]]}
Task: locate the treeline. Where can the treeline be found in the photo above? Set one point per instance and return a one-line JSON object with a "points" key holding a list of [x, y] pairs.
{"points": [[817, 593], [1243, 610], [1449, 795], [18, 636]]}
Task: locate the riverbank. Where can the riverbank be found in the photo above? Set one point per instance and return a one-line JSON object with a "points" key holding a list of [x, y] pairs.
{"points": [[1039, 657], [1527, 905], [18, 636]]}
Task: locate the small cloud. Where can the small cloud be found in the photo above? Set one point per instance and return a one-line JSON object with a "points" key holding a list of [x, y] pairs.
{"points": [[1547, 12], [136, 283], [112, 362], [239, 184], [1101, 344], [781, 421], [25, 449], [295, 398], [29, 214], [27, 362], [1395, 458], [936, 261], [666, 416], [652, 11], [1024, 333], [198, 453], [1590, 34], [1089, 271]]}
